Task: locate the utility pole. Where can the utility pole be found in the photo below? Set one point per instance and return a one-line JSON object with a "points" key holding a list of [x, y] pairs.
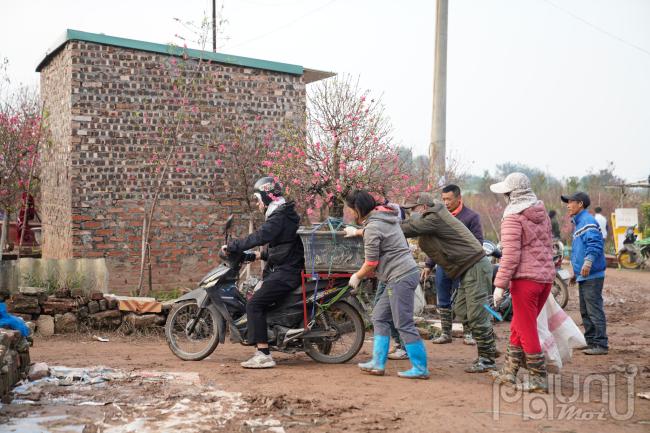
{"points": [[438, 146], [214, 26]]}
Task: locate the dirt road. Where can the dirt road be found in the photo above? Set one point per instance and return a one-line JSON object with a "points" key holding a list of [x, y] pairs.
{"points": [[306, 396]]}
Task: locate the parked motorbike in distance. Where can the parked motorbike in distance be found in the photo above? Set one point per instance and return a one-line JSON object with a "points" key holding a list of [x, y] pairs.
{"points": [[560, 289], [199, 320], [635, 253], [493, 251]]}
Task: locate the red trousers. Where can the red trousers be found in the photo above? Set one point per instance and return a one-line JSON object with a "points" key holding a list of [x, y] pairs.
{"points": [[528, 299]]}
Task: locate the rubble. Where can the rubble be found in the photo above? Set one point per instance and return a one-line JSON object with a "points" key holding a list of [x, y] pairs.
{"points": [[67, 309], [104, 399], [38, 370], [14, 359]]}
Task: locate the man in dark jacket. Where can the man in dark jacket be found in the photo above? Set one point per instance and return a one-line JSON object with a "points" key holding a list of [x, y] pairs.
{"points": [[284, 261], [451, 197], [588, 262], [450, 244]]}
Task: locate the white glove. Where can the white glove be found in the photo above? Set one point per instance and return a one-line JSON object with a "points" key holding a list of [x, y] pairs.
{"points": [[350, 232], [354, 281], [498, 296]]}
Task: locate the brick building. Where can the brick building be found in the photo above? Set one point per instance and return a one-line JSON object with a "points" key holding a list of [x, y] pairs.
{"points": [[97, 90]]}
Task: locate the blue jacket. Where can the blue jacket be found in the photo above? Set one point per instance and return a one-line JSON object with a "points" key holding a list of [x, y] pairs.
{"points": [[587, 244]]}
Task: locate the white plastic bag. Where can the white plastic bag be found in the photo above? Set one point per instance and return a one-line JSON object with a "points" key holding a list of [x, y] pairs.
{"points": [[558, 334], [418, 301]]}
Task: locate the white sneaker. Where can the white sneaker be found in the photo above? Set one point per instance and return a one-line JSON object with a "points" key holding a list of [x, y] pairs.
{"points": [[398, 354], [259, 360]]}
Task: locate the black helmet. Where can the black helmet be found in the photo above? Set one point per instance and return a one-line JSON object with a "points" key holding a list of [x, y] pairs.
{"points": [[266, 189]]}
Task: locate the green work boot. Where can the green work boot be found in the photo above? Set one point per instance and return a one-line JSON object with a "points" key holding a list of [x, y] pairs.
{"points": [[445, 322], [537, 376], [508, 373]]}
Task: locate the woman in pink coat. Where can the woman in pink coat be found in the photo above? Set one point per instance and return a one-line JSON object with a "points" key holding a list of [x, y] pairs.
{"points": [[527, 268]]}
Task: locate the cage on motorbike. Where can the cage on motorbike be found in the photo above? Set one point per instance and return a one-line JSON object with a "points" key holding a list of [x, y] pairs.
{"points": [[328, 251], [330, 256]]}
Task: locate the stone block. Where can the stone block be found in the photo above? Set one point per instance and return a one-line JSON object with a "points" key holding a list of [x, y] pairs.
{"points": [[109, 319], [96, 296], [55, 305], [38, 370], [111, 303], [25, 304], [93, 307], [102, 305], [62, 293], [137, 321], [45, 325], [33, 291], [65, 323]]}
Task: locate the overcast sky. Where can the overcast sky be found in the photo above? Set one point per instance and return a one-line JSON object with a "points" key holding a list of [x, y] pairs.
{"points": [[563, 85]]}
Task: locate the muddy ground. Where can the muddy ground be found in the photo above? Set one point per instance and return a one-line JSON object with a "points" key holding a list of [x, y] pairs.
{"points": [[301, 395]]}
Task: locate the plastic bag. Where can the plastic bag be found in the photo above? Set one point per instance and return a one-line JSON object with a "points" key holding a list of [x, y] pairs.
{"points": [[558, 334], [418, 301], [8, 320]]}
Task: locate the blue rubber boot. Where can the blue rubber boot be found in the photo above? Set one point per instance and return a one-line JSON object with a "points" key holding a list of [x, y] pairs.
{"points": [[379, 355], [418, 356]]}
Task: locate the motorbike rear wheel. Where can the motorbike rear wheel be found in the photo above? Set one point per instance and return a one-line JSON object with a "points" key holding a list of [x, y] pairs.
{"points": [[628, 260], [205, 336], [349, 329], [560, 291]]}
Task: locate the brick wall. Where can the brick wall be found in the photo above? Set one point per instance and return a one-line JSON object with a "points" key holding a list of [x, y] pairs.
{"points": [[55, 207], [111, 90]]}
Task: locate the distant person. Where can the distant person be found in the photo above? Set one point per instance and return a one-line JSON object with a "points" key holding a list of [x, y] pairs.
{"points": [[555, 225], [445, 286], [588, 262], [526, 266], [601, 220]]}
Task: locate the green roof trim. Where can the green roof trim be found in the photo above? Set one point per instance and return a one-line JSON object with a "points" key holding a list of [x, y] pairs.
{"points": [[76, 35]]}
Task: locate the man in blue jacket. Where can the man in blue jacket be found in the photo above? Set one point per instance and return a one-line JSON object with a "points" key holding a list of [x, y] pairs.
{"points": [[588, 262]]}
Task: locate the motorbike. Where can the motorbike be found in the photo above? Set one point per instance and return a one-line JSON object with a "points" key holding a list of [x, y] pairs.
{"points": [[493, 251], [199, 320], [635, 253], [560, 288]]}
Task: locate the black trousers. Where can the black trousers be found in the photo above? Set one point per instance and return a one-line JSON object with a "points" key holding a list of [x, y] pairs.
{"points": [[276, 285]]}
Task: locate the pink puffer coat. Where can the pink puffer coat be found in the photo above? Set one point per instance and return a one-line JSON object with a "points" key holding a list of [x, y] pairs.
{"points": [[526, 242]]}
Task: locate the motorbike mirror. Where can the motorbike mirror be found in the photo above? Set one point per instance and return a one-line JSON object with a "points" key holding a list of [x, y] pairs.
{"points": [[228, 223]]}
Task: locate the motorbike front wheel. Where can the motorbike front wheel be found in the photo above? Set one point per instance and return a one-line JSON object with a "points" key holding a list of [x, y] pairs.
{"points": [[348, 333], [193, 344], [560, 291], [628, 260]]}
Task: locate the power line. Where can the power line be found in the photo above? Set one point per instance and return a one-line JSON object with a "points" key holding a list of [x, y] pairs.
{"points": [[283, 26], [600, 29]]}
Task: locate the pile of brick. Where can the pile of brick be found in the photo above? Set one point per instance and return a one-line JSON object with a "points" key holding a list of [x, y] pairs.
{"points": [[14, 359], [68, 311]]}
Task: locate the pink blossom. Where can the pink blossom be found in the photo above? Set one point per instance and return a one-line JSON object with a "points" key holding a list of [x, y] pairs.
{"points": [[219, 162]]}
